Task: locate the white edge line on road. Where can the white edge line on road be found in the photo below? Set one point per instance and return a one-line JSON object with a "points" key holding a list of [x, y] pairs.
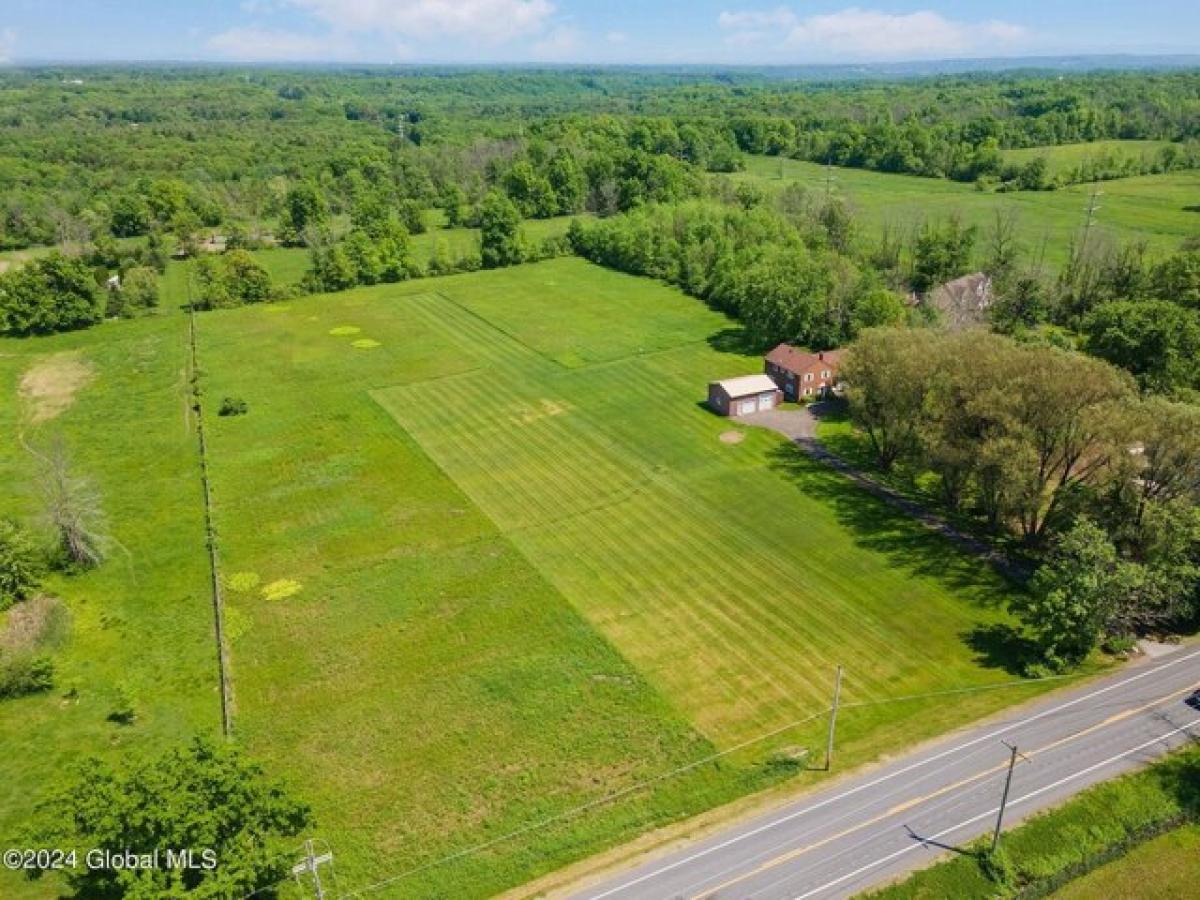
{"points": [[870, 784], [992, 812]]}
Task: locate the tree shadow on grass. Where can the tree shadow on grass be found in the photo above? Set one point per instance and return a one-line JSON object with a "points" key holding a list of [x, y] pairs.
{"points": [[880, 527], [735, 340], [1001, 646]]}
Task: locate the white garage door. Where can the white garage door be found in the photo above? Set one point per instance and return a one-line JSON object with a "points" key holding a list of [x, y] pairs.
{"points": [[766, 401], [745, 407]]}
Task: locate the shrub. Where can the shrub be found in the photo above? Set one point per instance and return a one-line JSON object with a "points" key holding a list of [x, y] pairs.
{"points": [[233, 406], [25, 673], [21, 564]]}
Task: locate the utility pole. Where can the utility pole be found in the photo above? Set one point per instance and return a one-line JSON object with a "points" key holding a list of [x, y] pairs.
{"points": [[1012, 762], [310, 864], [833, 711]]}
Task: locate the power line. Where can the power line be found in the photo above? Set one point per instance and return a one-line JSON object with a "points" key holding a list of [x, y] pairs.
{"points": [[650, 782]]}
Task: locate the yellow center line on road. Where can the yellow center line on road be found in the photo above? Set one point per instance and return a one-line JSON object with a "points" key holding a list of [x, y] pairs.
{"points": [[917, 801]]}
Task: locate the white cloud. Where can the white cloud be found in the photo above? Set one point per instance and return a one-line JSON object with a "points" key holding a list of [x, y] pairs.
{"points": [[856, 33], [617, 37], [1005, 31], [266, 45], [492, 21], [751, 20]]}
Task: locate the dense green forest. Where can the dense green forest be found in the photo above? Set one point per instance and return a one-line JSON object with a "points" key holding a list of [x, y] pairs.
{"points": [[121, 168], [85, 151]]}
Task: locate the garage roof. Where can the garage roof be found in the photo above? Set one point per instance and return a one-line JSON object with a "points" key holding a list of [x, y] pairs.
{"points": [[747, 384]]}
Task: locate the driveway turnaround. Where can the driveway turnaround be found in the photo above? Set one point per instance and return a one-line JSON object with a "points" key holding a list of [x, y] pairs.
{"points": [[901, 816]]}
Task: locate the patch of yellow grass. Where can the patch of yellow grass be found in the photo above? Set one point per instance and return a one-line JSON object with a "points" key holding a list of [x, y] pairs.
{"points": [[281, 589], [366, 344], [237, 623], [242, 582], [49, 386], [342, 330]]}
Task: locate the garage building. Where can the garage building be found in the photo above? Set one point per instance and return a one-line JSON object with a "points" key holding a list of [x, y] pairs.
{"points": [[745, 395]]}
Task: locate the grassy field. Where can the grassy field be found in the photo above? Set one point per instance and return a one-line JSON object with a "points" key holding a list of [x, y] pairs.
{"points": [[144, 620], [1159, 209], [287, 265], [488, 559], [1165, 868], [1063, 157]]}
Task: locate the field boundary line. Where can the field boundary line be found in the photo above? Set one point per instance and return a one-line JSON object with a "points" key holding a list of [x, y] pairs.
{"points": [[210, 534]]}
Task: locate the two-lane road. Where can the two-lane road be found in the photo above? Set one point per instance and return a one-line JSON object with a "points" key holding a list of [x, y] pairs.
{"points": [[871, 827]]}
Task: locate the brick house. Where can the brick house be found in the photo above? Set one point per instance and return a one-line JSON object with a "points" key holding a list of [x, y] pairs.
{"points": [[801, 374]]}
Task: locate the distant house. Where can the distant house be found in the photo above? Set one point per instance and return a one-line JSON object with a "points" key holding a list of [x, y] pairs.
{"points": [[963, 302], [800, 374], [744, 395]]}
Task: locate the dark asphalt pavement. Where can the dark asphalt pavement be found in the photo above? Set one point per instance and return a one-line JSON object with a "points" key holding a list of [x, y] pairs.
{"points": [[899, 816]]}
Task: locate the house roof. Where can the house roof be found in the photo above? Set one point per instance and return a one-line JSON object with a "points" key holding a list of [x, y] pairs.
{"points": [[747, 384], [796, 360], [963, 301]]}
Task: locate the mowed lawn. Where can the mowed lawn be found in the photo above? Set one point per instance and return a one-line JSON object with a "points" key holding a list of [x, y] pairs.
{"points": [[143, 622], [1159, 209], [489, 560]]}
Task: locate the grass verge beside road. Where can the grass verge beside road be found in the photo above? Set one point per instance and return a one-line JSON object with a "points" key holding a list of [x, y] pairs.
{"points": [[1048, 851]]}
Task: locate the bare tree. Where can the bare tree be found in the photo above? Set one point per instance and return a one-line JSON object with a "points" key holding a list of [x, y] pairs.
{"points": [[72, 507]]}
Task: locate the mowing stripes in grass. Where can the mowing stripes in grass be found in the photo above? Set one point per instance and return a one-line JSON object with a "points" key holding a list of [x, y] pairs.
{"points": [[730, 617]]}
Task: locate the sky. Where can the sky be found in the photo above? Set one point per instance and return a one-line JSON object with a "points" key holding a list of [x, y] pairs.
{"points": [[587, 31]]}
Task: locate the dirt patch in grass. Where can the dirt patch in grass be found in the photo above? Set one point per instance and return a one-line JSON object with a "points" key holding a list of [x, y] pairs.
{"points": [[732, 437], [49, 386], [544, 409], [41, 621]]}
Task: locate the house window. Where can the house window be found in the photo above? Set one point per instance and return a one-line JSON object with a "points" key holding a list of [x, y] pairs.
{"points": [[808, 376], [825, 373], [807, 392]]}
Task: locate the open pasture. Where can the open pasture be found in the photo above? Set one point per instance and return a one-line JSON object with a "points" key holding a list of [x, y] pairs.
{"points": [[1064, 157], [532, 575], [487, 559], [1158, 209]]}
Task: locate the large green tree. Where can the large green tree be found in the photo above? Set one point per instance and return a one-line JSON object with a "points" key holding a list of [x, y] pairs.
{"points": [[1158, 341], [500, 231], [54, 293], [199, 797], [1075, 595]]}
